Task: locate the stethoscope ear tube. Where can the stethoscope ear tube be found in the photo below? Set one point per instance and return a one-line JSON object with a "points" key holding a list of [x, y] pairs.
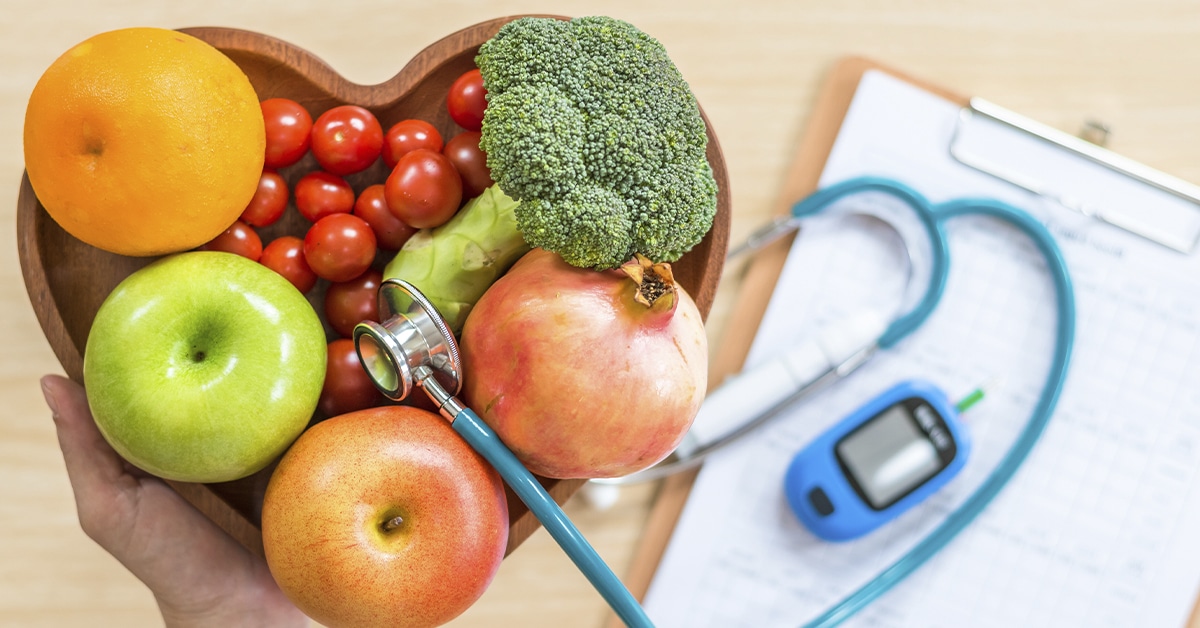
{"points": [[939, 246], [933, 216], [932, 219]]}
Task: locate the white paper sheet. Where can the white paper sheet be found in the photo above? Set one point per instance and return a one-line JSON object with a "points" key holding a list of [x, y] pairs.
{"points": [[1100, 527]]}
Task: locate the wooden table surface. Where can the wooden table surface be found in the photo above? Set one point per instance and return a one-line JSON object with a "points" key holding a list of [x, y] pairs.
{"points": [[755, 65]]}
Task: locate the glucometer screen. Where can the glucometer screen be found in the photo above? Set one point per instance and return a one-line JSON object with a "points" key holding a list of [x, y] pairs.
{"points": [[889, 456]]}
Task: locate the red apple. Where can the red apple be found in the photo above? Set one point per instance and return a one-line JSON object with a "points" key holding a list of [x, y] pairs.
{"points": [[383, 517]]}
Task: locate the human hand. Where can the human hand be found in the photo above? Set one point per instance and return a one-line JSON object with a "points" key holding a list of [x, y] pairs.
{"points": [[200, 576]]}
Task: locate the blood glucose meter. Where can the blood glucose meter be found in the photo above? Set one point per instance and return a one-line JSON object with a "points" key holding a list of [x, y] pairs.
{"points": [[881, 460]]}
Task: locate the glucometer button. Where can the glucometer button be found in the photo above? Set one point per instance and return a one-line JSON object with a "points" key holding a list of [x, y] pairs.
{"points": [[820, 501]]}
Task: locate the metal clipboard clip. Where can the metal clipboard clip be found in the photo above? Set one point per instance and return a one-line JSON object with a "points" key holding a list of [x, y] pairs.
{"points": [[1143, 201]]}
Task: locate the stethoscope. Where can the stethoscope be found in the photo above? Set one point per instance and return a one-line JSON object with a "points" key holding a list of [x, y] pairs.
{"points": [[414, 347]]}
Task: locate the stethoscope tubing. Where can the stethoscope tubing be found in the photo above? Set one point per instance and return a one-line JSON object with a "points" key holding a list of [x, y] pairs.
{"points": [[488, 444], [939, 253], [484, 440], [933, 218], [410, 315]]}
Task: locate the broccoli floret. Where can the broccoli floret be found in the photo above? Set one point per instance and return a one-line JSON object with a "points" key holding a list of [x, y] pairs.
{"points": [[592, 128]]}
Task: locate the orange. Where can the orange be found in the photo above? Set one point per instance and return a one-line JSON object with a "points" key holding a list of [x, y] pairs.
{"points": [[144, 141]]}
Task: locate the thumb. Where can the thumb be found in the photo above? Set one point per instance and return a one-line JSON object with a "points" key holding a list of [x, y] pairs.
{"points": [[94, 468]]}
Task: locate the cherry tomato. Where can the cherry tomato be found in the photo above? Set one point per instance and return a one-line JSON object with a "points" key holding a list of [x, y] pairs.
{"points": [[319, 194], [348, 303], [423, 190], [347, 386], [390, 232], [269, 201], [470, 161], [406, 136], [239, 238], [339, 247], [346, 139], [467, 100], [289, 131], [285, 255]]}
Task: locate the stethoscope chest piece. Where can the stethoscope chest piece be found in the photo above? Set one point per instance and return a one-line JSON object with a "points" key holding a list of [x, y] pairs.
{"points": [[411, 336], [413, 347]]}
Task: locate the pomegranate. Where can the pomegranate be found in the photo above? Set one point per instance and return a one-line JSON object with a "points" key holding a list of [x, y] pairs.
{"points": [[585, 373]]}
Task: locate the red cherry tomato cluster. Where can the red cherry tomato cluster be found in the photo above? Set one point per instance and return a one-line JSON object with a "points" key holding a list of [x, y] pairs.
{"points": [[428, 180]]}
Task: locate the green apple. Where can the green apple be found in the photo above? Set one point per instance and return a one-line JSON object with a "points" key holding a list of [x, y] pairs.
{"points": [[384, 517], [204, 366]]}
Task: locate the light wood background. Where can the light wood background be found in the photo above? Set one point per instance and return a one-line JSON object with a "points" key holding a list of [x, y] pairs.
{"points": [[755, 65]]}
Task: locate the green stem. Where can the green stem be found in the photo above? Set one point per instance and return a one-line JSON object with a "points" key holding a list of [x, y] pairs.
{"points": [[454, 264]]}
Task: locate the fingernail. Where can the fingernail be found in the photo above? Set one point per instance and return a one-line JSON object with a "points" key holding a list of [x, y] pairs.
{"points": [[49, 395]]}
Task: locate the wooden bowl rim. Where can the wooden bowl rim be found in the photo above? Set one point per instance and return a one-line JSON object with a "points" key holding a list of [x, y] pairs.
{"points": [[225, 39], [31, 218], [336, 86]]}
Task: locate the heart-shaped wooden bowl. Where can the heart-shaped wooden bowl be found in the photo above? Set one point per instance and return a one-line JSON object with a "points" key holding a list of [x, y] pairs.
{"points": [[67, 280]]}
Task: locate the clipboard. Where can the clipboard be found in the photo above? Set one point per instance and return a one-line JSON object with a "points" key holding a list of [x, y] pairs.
{"points": [[757, 286]]}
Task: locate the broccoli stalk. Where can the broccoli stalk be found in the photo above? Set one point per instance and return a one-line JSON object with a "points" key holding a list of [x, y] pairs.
{"points": [[593, 129], [455, 263]]}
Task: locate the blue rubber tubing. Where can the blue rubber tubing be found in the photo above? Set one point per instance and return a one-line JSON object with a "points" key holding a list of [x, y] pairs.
{"points": [[485, 441], [933, 218], [939, 247]]}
